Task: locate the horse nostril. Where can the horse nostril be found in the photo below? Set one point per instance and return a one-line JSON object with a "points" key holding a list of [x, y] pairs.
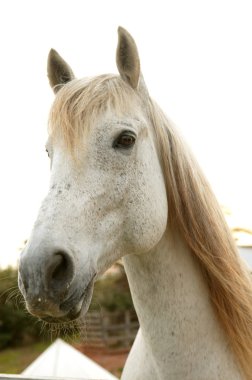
{"points": [[60, 270]]}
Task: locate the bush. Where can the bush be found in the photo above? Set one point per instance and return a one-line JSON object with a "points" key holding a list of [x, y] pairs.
{"points": [[16, 326], [112, 293]]}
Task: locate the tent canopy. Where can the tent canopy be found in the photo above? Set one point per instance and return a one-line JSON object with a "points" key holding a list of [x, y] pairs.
{"points": [[62, 360]]}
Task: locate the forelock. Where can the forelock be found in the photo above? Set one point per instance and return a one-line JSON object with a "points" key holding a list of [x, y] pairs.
{"points": [[80, 102]]}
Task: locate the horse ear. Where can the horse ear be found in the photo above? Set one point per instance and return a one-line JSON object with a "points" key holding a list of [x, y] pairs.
{"points": [[58, 71], [127, 58]]}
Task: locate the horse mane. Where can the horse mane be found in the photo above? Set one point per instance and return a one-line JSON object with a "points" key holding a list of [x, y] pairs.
{"points": [[80, 102], [193, 209]]}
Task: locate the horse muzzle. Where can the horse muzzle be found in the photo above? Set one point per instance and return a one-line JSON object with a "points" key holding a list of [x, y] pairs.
{"points": [[51, 287]]}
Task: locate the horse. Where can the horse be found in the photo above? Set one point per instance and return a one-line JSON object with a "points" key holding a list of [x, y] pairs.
{"points": [[124, 185]]}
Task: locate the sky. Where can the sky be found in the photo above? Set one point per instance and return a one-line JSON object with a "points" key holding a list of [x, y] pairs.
{"points": [[196, 58]]}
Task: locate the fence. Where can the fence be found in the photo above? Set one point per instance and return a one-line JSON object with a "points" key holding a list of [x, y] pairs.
{"points": [[116, 329]]}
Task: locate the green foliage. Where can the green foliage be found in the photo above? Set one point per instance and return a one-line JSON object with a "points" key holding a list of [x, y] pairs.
{"points": [[16, 326], [112, 293]]}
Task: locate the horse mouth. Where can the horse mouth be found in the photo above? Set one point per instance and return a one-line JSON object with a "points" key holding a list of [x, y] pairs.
{"points": [[79, 309]]}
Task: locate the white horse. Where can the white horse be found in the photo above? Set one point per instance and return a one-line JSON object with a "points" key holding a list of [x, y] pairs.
{"points": [[124, 185]]}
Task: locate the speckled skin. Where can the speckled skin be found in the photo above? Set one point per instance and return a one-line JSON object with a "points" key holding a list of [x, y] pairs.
{"points": [[113, 205]]}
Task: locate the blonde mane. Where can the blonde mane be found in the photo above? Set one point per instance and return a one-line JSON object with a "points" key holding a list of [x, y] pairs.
{"points": [[80, 102], [193, 209]]}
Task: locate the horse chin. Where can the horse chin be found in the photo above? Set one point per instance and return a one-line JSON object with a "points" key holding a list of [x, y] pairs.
{"points": [[77, 311], [71, 316]]}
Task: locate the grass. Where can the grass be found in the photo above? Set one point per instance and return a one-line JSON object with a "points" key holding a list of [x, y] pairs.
{"points": [[15, 360]]}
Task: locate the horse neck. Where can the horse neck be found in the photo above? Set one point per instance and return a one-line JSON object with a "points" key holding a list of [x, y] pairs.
{"points": [[176, 318]]}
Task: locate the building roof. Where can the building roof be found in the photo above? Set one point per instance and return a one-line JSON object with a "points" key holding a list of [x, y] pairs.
{"points": [[62, 360]]}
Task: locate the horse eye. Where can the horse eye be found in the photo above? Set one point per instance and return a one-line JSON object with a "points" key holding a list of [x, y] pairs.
{"points": [[47, 153], [126, 140]]}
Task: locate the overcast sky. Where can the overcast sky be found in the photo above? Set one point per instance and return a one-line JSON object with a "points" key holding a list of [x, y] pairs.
{"points": [[197, 63]]}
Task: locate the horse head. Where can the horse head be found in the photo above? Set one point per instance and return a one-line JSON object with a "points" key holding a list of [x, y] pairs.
{"points": [[107, 195]]}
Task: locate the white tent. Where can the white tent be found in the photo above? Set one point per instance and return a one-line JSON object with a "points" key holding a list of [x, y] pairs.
{"points": [[62, 360]]}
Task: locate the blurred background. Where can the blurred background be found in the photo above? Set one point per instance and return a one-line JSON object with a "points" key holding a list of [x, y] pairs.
{"points": [[196, 59]]}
